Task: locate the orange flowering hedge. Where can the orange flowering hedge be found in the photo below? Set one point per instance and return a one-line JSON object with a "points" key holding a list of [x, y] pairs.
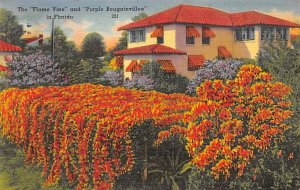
{"points": [[233, 121], [81, 131]]}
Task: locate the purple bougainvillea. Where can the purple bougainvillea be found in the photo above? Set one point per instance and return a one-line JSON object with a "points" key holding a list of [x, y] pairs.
{"points": [[138, 81], [34, 70], [217, 69]]}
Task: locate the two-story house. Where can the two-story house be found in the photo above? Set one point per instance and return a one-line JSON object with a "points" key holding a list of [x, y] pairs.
{"points": [[182, 37]]}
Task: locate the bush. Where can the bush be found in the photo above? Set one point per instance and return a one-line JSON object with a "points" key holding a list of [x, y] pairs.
{"points": [[87, 71], [217, 69], [284, 64], [235, 122], [138, 81], [162, 81], [113, 78], [34, 70]]}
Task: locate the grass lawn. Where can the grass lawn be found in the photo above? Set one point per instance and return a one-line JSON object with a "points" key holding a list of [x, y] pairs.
{"points": [[14, 174]]}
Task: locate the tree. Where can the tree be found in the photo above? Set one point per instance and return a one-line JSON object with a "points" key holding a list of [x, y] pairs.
{"points": [[93, 46], [10, 29], [65, 52], [284, 64]]}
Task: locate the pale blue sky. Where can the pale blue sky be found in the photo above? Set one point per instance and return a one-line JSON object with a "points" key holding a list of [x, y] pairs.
{"points": [[101, 22]]}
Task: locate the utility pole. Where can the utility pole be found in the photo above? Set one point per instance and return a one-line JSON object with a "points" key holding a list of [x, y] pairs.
{"points": [[52, 40]]}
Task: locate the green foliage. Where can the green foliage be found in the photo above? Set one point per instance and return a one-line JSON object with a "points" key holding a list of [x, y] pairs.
{"points": [[10, 29], [167, 165], [296, 42], [88, 71], [284, 64], [15, 174], [170, 167], [165, 82], [93, 46], [140, 16]]}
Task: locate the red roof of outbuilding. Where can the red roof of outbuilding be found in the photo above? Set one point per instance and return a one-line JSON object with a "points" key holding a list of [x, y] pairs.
{"points": [[150, 49], [7, 47], [207, 16]]}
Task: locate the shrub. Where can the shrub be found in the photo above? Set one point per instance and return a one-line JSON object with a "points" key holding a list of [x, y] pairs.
{"points": [[87, 71], [113, 78], [138, 81], [34, 70], [217, 69], [284, 64], [234, 122], [164, 82]]}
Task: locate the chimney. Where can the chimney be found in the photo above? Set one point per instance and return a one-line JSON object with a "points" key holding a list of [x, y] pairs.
{"points": [[41, 39]]}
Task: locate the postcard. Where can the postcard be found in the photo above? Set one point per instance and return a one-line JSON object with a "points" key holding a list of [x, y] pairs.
{"points": [[148, 94]]}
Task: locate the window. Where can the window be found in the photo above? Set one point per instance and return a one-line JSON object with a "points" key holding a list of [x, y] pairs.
{"points": [[137, 36], [266, 33], [160, 40], [191, 33], [282, 33], [243, 34], [190, 40], [205, 40]]}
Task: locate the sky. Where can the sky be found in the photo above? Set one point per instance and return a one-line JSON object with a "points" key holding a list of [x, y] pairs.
{"points": [[94, 17]]}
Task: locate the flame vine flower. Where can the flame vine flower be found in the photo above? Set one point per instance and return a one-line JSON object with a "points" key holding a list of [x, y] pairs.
{"points": [[234, 120]]}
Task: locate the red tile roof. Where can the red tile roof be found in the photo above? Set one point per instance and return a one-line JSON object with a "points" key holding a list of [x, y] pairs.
{"points": [[150, 49], [257, 18], [191, 31], [158, 32], [207, 16], [195, 62], [7, 47], [33, 39], [167, 66], [223, 52], [207, 32], [4, 68]]}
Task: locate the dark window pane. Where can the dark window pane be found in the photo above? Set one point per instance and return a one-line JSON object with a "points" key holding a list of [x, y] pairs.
{"points": [[160, 40], [190, 40], [205, 40]]}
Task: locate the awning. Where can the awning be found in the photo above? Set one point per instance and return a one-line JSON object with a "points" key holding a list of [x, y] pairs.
{"points": [[191, 31], [167, 66], [207, 32], [158, 32], [135, 66], [131, 66], [195, 62], [139, 65], [3, 68], [223, 52]]}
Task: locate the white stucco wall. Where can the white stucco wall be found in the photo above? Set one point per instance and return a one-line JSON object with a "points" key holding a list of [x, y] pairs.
{"points": [[178, 61]]}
